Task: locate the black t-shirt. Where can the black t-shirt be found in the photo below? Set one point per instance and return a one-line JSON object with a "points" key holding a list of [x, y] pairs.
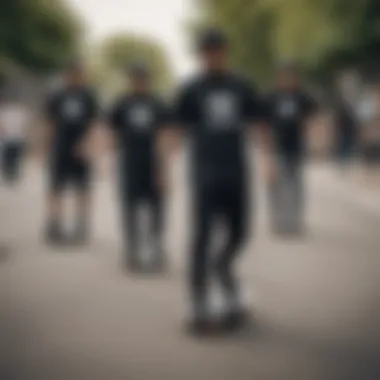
{"points": [[345, 120], [136, 120], [71, 111], [287, 113], [215, 109]]}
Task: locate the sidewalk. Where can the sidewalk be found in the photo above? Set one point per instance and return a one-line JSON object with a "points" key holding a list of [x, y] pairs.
{"points": [[370, 179]]}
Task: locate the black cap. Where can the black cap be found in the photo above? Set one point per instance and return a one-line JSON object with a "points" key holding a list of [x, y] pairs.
{"points": [[138, 69], [212, 38]]}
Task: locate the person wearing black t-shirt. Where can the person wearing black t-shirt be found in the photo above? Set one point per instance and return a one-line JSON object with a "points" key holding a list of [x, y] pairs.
{"points": [[214, 109], [70, 112], [136, 119], [288, 109]]}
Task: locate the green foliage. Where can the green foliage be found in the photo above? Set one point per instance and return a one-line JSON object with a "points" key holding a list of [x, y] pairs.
{"points": [[321, 35], [116, 52], [39, 35]]}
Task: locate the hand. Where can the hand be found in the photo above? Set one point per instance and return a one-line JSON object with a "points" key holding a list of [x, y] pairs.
{"points": [[81, 151], [270, 171], [162, 182]]}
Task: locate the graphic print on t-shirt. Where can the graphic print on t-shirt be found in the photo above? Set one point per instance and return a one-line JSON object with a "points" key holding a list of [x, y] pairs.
{"points": [[73, 109], [140, 117], [287, 108], [221, 110]]}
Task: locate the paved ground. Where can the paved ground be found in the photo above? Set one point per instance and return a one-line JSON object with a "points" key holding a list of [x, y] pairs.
{"points": [[73, 315]]}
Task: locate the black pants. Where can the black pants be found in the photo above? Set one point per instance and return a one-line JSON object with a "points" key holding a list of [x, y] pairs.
{"points": [[138, 188], [68, 170], [223, 198], [345, 150], [11, 160], [287, 194], [371, 154]]}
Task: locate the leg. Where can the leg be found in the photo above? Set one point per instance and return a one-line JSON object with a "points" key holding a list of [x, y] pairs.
{"points": [[277, 190], [300, 197], [18, 159], [129, 190], [80, 172], [296, 206], [199, 256], [8, 161], [58, 174], [236, 220], [157, 224], [131, 231]]}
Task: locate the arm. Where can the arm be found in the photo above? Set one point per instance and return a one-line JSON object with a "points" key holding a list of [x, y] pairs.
{"points": [[48, 124], [87, 145], [258, 112], [171, 134], [113, 123], [168, 144]]}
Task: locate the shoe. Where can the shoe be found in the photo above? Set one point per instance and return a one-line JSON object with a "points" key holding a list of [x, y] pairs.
{"points": [[203, 327], [54, 234], [80, 237], [132, 265], [160, 264], [235, 320]]}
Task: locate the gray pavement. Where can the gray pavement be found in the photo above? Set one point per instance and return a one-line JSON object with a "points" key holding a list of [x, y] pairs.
{"points": [[74, 315]]}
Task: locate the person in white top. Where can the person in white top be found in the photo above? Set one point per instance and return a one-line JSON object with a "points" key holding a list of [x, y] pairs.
{"points": [[369, 112], [14, 120]]}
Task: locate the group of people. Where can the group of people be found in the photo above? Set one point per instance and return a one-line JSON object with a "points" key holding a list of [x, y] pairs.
{"points": [[356, 122], [14, 121], [215, 109]]}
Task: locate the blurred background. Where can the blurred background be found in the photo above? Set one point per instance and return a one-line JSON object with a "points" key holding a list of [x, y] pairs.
{"points": [[317, 300], [335, 43]]}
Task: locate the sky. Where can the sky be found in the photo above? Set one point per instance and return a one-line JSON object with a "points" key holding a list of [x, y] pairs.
{"points": [[163, 20]]}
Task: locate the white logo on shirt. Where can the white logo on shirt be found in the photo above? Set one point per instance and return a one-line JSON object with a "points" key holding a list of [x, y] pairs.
{"points": [[140, 117], [221, 110], [287, 108], [73, 109]]}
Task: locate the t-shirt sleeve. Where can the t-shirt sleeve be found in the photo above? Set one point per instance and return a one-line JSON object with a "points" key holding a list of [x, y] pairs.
{"points": [[50, 107], [310, 105], [184, 110], [93, 106], [114, 117], [164, 114], [267, 102], [253, 104]]}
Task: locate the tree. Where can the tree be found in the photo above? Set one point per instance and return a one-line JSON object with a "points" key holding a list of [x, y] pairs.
{"points": [[39, 35], [250, 28], [112, 57], [321, 35]]}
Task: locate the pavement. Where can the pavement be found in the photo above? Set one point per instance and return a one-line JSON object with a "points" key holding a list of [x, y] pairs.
{"points": [[72, 314]]}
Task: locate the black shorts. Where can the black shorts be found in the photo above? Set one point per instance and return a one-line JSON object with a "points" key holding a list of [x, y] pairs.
{"points": [[371, 154], [138, 178], [222, 196], [69, 171]]}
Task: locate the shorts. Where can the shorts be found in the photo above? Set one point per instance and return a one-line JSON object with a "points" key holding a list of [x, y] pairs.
{"points": [[69, 171]]}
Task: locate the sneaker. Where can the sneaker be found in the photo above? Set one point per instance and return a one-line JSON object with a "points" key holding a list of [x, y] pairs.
{"points": [[160, 264], [131, 264], [54, 234], [235, 320], [80, 236], [203, 327]]}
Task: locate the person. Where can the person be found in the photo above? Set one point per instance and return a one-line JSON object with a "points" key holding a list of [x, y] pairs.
{"points": [[213, 109], [346, 120], [14, 119], [71, 112], [288, 109], [136, 119], [369, 117]]}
